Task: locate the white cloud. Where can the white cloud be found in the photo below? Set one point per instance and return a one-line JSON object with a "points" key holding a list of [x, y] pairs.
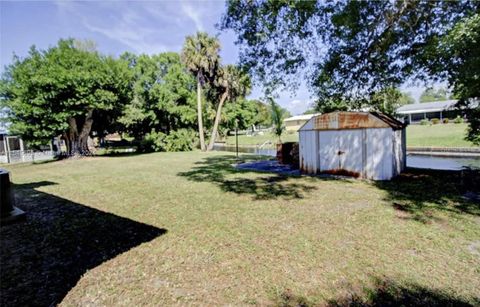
{"points": [[143, 26], [127, 34], [194, 14]]}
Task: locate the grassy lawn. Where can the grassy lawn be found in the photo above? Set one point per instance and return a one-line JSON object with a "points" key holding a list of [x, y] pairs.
{"points": [[187, 228], [441, 135]]}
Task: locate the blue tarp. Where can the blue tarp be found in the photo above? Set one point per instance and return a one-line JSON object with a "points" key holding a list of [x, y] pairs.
{"points": [[271, 166]]}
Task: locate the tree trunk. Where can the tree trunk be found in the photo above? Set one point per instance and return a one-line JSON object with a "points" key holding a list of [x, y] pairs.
{"points": [[72, 138], [199, 114], [217, 121], [77, 143], [83, 137]]}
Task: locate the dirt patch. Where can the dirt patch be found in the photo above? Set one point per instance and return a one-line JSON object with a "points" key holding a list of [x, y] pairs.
{"points": [[474, 248]]}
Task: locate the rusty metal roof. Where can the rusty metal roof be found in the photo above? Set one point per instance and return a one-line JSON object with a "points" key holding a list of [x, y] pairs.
{"points": [[391, 121], [355, 120]]}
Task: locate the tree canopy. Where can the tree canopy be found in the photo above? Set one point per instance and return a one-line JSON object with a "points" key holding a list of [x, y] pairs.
{"points": [[350, 50], [389, 100], [459, 50], [163, 95], [64, 91], [431, 94], [71, 90]]}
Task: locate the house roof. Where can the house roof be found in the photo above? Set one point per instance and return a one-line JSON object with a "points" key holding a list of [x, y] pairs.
{"points": [[352, 120], [300, 117], [423, 107]]}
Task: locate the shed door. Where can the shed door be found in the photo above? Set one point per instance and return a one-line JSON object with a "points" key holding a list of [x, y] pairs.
{"points": [[341, 149]]}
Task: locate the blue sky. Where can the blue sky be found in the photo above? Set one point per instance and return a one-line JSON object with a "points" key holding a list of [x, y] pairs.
{"points": [[117, 26]]}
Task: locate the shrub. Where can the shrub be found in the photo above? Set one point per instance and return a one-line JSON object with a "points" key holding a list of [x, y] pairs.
{"points": [[153, 141], [424, 122], [458, 120], [180, 140], [446, 120], [435, 121]]}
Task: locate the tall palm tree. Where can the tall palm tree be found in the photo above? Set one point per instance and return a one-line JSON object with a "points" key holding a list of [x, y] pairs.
{"points": [[200, 56], [233, 83], [277, 119]]}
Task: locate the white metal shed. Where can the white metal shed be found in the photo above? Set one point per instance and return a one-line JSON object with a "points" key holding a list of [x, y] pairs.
{"points": [[368, 145]]}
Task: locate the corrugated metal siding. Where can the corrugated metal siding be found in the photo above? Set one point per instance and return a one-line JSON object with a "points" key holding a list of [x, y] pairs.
{"points": [[308, 151], [373, 153], [379, 163], [348, 120], [308, 125], [341, 150], [398, 152]]}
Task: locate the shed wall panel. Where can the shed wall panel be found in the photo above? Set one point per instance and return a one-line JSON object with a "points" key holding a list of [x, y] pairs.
{"points": [[341, 150], [399, 159], [309, 125], [308, 151], [379, 162]]}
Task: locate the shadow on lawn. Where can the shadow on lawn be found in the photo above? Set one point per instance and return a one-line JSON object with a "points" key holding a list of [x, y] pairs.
{"points": [[416, 194], [384, 293], [217, 169], [45, 256]]}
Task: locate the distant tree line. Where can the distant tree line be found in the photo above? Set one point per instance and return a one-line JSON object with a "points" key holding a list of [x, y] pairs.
{"points": [[165, 102]]}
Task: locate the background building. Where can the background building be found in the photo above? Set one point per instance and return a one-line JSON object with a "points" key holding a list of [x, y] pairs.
{"points": [[412, 113], [295, 122]]}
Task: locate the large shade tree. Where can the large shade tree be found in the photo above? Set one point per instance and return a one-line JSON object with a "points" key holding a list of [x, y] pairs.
{"points": [[65, 91], [200, 54], [241, 115], [350, 50], [163, 95], [460, 63], [233, 83]]}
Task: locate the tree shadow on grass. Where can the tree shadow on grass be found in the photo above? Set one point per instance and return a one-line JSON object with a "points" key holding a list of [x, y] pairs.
{"points": [[417, 194], [220, 169], [45, 256], [384, 293]]}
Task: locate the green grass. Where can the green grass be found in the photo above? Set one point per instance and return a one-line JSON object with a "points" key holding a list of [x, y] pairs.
{"points": [[440, 135], [188, 229]]}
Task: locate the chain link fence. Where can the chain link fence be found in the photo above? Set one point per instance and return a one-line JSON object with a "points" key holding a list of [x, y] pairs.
{"points": [[19, 156]]}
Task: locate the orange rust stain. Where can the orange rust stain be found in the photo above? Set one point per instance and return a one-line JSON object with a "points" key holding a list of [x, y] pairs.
{"points": [[347, 120], [304, 169]]}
